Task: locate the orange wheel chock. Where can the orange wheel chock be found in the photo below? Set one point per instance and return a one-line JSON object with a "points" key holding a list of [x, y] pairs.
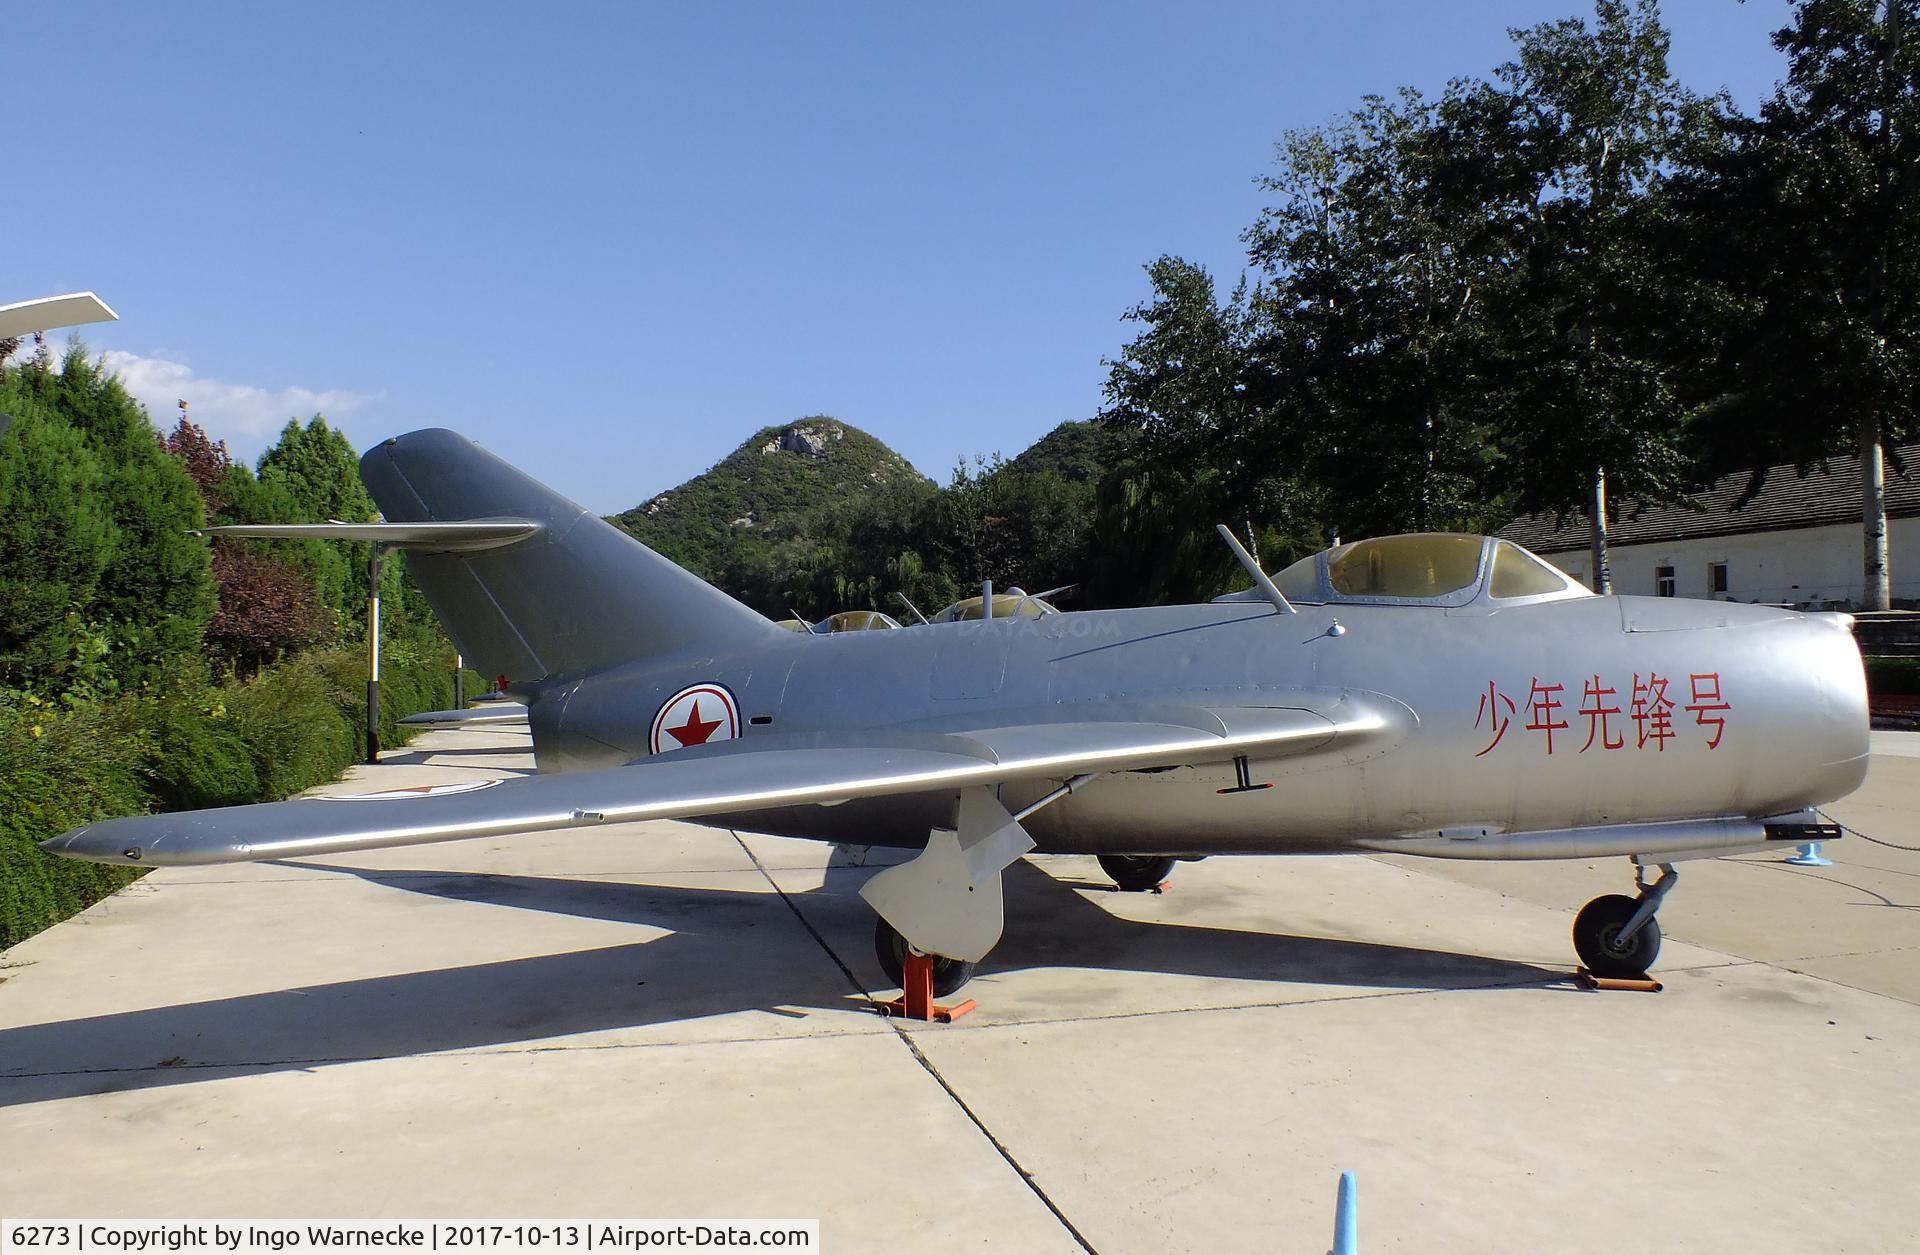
{"points": [[1645, 985], [916, 996]]}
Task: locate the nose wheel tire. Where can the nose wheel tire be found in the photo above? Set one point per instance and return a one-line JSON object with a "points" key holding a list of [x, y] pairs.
{"points": [[1596, 938], [891, 949], [1136, 873]]}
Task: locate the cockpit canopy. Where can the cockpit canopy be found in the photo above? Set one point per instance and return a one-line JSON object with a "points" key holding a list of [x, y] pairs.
{"points": [[1015, 604], [855, 621], [1421, 568]]}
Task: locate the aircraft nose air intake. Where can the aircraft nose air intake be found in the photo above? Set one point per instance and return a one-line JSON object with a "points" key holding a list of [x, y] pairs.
{"points": [[1834, 703]]}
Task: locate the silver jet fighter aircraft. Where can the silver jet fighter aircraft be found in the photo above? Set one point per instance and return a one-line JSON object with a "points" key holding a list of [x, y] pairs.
{"points": [[1442, 695]]}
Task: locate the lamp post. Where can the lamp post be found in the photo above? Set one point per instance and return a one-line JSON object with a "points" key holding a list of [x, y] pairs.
{"points": [[375, 561]]}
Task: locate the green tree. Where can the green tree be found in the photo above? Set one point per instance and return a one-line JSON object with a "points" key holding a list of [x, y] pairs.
{"points": [[266, 608], [1454, 310], [320, 470], [317, 470], [1562, 151], [1806, 228], [155, 595], [1333, 396], [1197, 389], [1375, 321], [56, 537]]}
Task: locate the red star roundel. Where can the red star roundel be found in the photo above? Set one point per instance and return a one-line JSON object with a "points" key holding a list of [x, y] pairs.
{"points": [[700, 714]]}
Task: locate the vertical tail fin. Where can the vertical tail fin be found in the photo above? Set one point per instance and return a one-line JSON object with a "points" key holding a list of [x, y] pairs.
{"points": [[577, 596]]}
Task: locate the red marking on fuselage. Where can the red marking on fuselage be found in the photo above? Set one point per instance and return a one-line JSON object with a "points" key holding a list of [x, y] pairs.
{"points": [[695, 730], [700, 714]]}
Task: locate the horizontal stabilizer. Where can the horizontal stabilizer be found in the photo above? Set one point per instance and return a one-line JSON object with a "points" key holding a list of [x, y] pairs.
{"points": [[462, 537], [753, 773], [492, 712]]}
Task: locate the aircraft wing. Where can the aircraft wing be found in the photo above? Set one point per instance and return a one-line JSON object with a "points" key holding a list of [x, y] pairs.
{"points": [[472, 716], [742, 775]]}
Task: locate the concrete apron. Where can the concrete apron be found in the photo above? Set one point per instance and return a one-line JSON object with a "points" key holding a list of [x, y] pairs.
{"points": [[663, 1020]]}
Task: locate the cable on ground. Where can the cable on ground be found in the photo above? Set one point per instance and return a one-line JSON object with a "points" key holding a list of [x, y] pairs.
{"points": [[1855, 832]]}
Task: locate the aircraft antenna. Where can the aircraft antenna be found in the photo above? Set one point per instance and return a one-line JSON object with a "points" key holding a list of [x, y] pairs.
{"points": [[908, 602], [803, 621], [1267, 587]]}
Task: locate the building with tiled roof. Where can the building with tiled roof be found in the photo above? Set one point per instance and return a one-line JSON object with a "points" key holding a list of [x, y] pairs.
{"points": [[1796, 542]]}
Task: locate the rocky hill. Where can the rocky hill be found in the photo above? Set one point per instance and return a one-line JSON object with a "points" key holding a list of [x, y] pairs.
{"points": [[780, 487]]}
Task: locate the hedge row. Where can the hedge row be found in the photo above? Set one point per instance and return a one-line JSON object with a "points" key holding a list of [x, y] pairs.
{"points": [[183, 743]]}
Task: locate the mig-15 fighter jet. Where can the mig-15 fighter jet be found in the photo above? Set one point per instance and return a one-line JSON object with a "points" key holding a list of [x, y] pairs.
{"points": [[1442, 695]]}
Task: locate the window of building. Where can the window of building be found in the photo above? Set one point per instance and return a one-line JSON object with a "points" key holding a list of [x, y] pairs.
{"points": [[1663, 582], [1717, 577]]}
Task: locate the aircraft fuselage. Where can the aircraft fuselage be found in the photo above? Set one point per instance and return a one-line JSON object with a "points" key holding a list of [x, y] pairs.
{"points": [[1547, 716]]}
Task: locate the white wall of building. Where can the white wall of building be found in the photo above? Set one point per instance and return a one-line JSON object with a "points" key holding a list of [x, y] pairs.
{"points": [[1809, 566]]}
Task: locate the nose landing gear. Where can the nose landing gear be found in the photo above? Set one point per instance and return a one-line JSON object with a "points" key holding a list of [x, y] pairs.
{"points": [[1617, 936]]}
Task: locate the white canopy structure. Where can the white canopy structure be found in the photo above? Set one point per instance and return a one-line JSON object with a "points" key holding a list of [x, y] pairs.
{"points": [[23, 318]]}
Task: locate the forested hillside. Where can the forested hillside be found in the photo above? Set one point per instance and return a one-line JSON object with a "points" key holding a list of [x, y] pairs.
{"points": [[769, 506], [818, 516]]}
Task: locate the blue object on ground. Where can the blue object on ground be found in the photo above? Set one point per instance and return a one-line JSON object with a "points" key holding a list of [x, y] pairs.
{"points": [[1346, 1219], [1809, 856]]}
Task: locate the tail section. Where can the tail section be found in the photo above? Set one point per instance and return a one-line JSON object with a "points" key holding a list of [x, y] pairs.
{"points": [[576, 596]]}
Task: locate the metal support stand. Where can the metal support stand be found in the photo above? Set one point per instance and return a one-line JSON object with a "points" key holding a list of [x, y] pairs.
{"points": [[459, 682], [1809, 856], [916, 995], [375, 561]]}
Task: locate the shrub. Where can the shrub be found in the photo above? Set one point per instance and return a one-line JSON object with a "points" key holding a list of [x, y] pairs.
{"points": [[181, 742], [58, 770]]}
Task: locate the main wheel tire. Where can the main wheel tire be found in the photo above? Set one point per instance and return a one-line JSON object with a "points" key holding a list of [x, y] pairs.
{"points": [[1136, 873], [1596, 938], [891, 949]]}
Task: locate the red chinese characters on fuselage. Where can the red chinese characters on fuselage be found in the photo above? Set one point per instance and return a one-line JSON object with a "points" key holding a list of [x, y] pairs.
{"points": [[1651, 707]]}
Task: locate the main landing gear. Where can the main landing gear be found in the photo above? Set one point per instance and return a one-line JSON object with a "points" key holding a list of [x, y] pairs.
{"points": [[891, 949], [1616, 936], [1136, 873]]}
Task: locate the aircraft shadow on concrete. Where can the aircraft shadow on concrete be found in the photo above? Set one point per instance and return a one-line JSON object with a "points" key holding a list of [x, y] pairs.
{"points": [[1881, 899], [725, 951]]}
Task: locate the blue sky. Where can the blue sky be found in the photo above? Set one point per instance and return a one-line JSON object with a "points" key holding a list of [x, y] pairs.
{"points": [[611, 240]]}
